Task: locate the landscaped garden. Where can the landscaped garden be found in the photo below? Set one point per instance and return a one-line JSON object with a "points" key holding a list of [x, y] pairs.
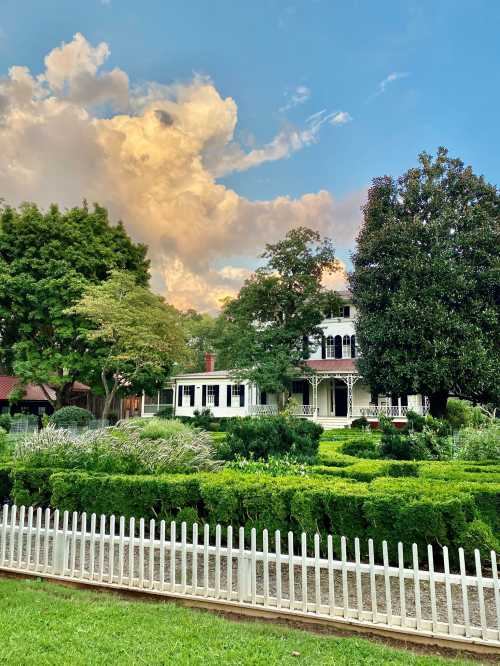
{"points": [[412, 486]]}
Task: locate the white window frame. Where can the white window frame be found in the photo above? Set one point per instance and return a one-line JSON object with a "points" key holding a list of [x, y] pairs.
{"points": [[210, 395], [346, 347], [186, 396], [235, 390], [330, 347]]}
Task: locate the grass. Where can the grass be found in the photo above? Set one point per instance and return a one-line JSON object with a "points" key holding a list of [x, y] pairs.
{"points": [[44, 623]]}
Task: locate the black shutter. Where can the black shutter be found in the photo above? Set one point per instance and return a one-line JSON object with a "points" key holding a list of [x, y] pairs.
{"points": [[338, 346], [263, 398], [216, 395], [353, 346], [191, 394], [323, 346], [404, 401], [305, 392], [228, 395], [204, 395], [242, 395], [179, 395]]}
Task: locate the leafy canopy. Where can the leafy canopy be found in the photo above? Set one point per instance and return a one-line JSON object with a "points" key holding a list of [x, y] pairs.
{"points": [[426, 283], [46, 261], [265, 332]]}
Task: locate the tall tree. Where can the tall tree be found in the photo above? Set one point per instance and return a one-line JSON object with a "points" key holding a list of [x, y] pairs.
{"points": [[140, 338], [426, 283], [201, 332], [46, 261], [266, 332]]}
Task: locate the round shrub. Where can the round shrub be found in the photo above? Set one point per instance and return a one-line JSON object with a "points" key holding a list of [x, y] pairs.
{"points": [[71, 416], [262, 437], [360, 424], [362, 448]]}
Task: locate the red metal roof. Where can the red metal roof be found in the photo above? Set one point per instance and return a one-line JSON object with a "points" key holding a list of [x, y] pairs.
{"points": [[333, 365], [32, 391]]}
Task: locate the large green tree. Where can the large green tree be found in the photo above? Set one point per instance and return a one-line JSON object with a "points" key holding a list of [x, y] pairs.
{"points": [[46, 261], [201, 332], [140, 337], [426, 283], [266, 332]]}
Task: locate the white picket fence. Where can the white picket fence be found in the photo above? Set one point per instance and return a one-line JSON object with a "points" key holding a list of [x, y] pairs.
{"points": [[287, 578]]}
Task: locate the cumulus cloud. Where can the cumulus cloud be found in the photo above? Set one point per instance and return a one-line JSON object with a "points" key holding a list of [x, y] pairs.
{"points": [[155, 166]]}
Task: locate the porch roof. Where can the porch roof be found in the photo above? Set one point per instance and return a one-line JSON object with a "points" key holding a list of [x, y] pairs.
{"points": [[333, 365]]}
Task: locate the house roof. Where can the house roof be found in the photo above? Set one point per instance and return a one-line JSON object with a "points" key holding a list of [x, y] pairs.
{"points": [[214, 374], [32, 391], [333, 365]]}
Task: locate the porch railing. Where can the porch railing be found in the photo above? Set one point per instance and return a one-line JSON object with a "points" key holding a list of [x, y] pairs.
{"points": [[391, 411], [263, 410]]}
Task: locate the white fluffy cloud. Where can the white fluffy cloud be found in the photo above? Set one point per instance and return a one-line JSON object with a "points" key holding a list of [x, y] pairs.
{"points": [[154, 163]]}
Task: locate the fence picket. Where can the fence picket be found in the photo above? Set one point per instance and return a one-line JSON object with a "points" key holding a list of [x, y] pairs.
{"points": [[480, 592], [465, 598], [432, 586], [20, 536], [291, 571], [416, 586], [52, 544], [345, 591], [131, 551], [402, 588], [229, 563], [151, 554], [447, 583], [277, 552], [373, 587]]}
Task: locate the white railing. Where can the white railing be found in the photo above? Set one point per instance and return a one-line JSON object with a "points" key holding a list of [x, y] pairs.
{"points": [[155, 408], [263, 410], [304, 410], [283, 575], [388, 410]]}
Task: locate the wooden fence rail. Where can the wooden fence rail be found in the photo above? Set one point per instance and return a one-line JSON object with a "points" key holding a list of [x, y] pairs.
{"points": [[288, 578]]}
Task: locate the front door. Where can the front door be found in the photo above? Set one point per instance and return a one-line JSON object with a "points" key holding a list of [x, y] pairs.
{"points": [[340, 389]]}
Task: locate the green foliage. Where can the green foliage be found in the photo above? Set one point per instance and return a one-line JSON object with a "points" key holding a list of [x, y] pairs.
{"points": [[140, 335], [41, 342], [159, 446], [274, 466], [360, 424], [71, 416], [362, 448], [166, 413], [421, 439], [480, 443], [264, 332], [260, 438], [5, 422], [428, 318], [3, 442], [202, 419]]}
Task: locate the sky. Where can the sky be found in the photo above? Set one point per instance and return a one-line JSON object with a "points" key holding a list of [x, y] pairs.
{"points": [[212, 128]]}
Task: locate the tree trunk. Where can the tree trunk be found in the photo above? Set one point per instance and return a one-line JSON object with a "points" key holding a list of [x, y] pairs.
{"points": [[110, 394], [437, 404]]}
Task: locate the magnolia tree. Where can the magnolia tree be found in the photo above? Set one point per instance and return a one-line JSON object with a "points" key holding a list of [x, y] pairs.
{"points": [[138, 336], [266, 332], [426, 283]]}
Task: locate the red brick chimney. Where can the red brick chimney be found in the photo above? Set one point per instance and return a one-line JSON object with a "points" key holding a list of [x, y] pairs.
{"points": [[209, 362]]}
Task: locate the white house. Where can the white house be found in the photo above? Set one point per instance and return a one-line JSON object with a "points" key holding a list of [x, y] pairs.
{"points": [[334, 394]]}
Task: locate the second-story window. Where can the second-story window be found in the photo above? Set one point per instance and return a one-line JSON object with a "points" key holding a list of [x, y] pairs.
{"points": [[346, 346], [346, 311], [330, 347]]}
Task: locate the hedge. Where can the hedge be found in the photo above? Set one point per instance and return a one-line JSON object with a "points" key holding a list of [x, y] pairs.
{"points": [[396, 509]]}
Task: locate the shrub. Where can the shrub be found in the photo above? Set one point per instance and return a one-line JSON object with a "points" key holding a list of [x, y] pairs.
{"points": [[422, 439], [480, 444], [166, 412], [283, 466], [362, 448], [360, 424], [202, 419], [461, 414], [271, 436], [71, 416], [132, 448], [5, 422]]}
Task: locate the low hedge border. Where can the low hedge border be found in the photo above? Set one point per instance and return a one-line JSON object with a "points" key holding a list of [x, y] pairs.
{"points": [[396, 509]]}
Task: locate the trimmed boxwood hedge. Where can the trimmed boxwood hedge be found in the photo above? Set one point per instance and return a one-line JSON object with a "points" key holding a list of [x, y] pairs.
{"points": [[396, 509]]}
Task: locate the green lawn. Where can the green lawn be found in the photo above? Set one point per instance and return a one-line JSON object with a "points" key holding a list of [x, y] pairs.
{"points": [[45, 623]]}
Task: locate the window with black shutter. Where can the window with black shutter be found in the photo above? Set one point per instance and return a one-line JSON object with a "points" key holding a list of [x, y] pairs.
{"points": [[204, 395], [242, 395], [228, 395], [191, 394], [323, 347], [353, 346], [179, 395], [216, 395], [338, 346]]}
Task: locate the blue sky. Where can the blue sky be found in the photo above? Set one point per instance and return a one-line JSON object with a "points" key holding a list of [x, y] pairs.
{"points": [[281, 62]]}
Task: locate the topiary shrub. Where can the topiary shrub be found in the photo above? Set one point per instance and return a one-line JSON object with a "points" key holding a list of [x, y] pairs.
{"points": [[271, 436], [71, 416], [360, 424], [362, 448]]}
